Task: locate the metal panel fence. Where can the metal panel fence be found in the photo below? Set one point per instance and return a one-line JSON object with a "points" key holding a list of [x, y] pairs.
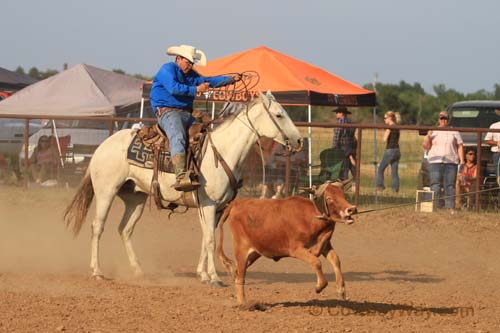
{"points": [[285, 175]]}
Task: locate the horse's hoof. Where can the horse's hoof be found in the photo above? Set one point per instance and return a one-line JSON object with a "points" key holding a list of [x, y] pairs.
{"points": [[207, 282], [98, 277], [218, 284], [139, 274]]}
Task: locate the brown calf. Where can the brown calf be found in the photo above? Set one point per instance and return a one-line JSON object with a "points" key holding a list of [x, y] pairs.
{"points": [[294, 227]]}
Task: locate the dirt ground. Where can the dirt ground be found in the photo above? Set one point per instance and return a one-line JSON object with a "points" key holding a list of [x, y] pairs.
{"points": [[404, 271]]}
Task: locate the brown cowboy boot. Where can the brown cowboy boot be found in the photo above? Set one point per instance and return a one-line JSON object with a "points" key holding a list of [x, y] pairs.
{"points": [[183, 176]]}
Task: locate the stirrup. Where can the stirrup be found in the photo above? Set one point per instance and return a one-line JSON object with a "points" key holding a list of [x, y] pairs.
{"points": [[185, 183]]}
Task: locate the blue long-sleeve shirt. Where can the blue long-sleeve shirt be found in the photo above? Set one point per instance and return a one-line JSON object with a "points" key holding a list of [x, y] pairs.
{"points": [[171, 88]]}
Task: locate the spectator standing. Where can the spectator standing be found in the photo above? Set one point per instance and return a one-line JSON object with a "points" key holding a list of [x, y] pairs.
{"points": [[446, 152], [465, 178], [345, 140], [493, 139], [392, 154]]}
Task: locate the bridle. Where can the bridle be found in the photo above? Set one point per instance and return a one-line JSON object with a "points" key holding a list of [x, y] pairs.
{"points": [[234, 183], [280, 130]]}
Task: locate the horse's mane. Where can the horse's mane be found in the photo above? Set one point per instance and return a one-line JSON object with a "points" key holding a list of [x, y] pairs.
{"points": [[234, 111]]}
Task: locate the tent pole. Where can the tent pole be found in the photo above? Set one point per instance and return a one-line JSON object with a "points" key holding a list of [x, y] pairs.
{"points": [[57, 142], [141, 115], [375, 151], [309, 144]]}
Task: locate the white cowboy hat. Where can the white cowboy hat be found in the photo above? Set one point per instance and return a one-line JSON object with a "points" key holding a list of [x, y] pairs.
{"points": [[190, 53]]}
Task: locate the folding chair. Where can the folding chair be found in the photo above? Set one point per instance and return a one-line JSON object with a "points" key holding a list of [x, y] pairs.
{"points": [[330, 167]]}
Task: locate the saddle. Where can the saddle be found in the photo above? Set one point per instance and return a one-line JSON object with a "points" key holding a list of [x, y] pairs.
{"points": [[154, 139]]}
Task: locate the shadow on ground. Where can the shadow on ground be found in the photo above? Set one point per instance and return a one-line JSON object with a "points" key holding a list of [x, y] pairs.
{"points": [[387, 275], [353, 308]]}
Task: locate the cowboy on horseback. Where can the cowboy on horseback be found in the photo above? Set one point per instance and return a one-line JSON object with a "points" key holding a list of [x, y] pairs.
{"points": [[172, 95]]}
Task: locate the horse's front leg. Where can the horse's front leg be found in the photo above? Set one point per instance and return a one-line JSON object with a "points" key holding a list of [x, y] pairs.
{"points": [[201, 270], [206, 266]]}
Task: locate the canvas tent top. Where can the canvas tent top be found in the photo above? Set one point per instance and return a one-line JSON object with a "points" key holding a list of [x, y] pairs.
{"points": [[10, 80], [82, 90], [291, 81]]}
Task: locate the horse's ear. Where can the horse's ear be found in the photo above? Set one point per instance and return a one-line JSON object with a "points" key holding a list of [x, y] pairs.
{"points": [[263, 97], [269, 95]]}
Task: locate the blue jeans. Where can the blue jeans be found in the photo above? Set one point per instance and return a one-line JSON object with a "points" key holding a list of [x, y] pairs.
{"points": [[392, 157], [446, 174], [175, 124], [496, 157], [347, 165]]}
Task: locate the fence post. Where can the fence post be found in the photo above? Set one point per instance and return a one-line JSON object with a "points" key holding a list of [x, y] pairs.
{"points": [[287, 174], [110, 127], [358, 165], [26, 148], [479, 172]]}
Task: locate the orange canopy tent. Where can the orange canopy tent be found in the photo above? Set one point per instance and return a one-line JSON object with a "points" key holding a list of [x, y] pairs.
{"points": [[290, 80]]}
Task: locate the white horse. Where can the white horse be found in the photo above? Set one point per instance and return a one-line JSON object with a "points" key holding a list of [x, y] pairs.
{"points": [[109, 175]]}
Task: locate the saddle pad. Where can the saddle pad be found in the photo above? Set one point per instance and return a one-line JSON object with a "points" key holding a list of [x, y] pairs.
{"points": [[140, 155]]}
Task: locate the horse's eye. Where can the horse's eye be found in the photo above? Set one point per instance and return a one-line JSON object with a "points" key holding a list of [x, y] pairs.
{"points": [[279, 115]]}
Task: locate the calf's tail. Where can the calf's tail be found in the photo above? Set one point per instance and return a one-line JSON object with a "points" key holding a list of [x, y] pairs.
{"points": [[228, 263]]}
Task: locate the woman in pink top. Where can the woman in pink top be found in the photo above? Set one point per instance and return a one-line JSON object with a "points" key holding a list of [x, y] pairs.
{"points": [[466, 178], [43, 162]]}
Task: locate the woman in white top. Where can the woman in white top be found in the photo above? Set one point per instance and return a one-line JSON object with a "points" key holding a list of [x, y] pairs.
{"points": [[446, 152]]}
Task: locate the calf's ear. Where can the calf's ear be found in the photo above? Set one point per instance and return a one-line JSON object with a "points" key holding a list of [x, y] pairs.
{"points": [[346, 183]]}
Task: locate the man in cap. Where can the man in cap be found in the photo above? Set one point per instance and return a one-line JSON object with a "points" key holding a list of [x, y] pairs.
{"points": [[344, 139], [172, 95]]}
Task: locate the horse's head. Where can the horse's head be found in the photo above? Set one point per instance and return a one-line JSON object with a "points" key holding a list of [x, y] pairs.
{"points": [[270, 119]]}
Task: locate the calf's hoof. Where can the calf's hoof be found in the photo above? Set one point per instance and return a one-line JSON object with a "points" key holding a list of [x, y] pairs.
{"points": [[342, 294], [320, 287], [252, 306]]}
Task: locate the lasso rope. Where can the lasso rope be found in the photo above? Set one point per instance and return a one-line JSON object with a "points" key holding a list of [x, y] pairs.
{"points": [[418, 202]]}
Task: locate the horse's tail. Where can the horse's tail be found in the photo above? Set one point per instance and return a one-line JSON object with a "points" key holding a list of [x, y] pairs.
{"points": [[228, 263], [77, 210]]}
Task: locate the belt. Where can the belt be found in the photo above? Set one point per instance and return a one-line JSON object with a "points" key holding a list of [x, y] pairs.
{"points": [[161, 110]]}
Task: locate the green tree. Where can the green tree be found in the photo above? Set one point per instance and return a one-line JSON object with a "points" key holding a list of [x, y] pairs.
{"points": [[119, 71], [496, 91], [447, 96], [143, 77], [34, 73], [48, 73], [20, 70]]}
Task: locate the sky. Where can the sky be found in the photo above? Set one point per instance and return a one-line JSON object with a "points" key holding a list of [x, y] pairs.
{"points": [[450, 42]]}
